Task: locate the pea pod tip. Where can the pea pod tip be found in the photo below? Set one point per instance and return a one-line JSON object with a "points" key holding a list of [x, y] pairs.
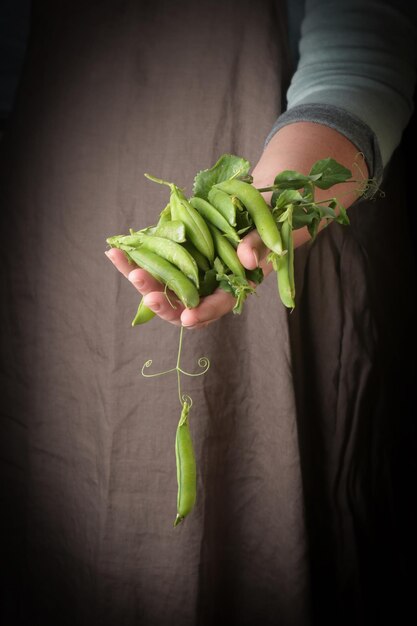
{"points": [[178, 520]]}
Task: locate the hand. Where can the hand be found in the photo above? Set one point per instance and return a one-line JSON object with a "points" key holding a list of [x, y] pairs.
{"points": [[251, 251]]}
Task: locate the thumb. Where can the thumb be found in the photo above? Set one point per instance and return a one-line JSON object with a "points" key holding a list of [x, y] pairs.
{"points": [[251, 250]]}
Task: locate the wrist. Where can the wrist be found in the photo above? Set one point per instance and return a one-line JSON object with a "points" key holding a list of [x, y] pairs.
{"points": [[297, 147]]}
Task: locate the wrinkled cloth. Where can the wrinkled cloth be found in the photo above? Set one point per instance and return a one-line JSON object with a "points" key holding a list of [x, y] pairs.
{"points": [[301, 432]]}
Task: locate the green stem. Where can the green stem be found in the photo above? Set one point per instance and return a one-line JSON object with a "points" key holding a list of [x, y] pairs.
{"points": [[160, 181], [278, 187], [178, 365], [203, 363]]}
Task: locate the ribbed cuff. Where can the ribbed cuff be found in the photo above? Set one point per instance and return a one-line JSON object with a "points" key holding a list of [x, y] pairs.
{"points": [[353, 128]]}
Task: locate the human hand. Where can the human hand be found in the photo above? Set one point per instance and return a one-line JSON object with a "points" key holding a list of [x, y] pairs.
{"points": [[251, 252]]}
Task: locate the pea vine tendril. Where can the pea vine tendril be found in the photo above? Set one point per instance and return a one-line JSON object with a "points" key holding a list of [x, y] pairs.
{"points": [[203, 362]]}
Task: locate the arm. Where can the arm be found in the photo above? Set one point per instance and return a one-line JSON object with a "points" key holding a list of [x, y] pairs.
{"points": [[351, 93]]}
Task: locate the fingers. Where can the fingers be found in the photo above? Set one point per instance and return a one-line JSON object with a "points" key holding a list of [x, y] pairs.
{"points": [[165, 305], [210, 309], [252, 251], [160, 300], [139, 278], [119, 260]]}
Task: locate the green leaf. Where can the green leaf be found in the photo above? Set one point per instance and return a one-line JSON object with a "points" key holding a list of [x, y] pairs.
{"points": [[218, 266], [342, 218], [302, 217], [331, 173], [287, 196], [289, 179], [256, 275], [208, 284], [226, 286], [313, 228], [326, 211], [226, 168], [243, 221]]}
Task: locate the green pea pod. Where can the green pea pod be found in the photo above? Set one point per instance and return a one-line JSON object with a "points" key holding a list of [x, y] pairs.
{"points": [[199, 258], [165, 215], [167, 274], [144, 314], [258, 210], [174, 253], [186, 467], [224, 204], [173, 230], [285, 267], [210, 214], [226, 252], [195, 226]]}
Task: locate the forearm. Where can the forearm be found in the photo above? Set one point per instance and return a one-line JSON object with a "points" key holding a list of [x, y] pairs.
{"points": [[296, 147], [357, 72]]}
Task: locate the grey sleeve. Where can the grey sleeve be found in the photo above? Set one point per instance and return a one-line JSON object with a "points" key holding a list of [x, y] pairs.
{"points": [[356, 73]]}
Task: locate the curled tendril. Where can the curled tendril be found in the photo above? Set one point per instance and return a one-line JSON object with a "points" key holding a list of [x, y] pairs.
{"points": [[148, 364], [368, 187], [186, 399], [203, 362]]}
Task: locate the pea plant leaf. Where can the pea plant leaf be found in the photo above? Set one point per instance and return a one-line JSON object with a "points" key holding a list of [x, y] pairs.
{"points": [[226, 168], [286, 196], [342, 218], [256, 275], [302, 217], [209, 283], [289, 179], [329, 173]]}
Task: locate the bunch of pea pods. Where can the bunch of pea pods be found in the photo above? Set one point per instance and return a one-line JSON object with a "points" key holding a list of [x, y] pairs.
{"points": [[192, 248]]}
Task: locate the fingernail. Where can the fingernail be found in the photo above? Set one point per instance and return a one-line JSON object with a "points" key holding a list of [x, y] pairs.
{"points": [[190, 325], [108, 255], [155, 306], [255, 255]]}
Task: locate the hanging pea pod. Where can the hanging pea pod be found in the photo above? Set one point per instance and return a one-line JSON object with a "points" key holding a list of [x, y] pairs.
{"points": [[186, 467]]}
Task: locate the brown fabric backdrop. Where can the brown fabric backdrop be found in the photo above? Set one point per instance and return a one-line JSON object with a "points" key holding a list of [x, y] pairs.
{"points": [[301, 430]]}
